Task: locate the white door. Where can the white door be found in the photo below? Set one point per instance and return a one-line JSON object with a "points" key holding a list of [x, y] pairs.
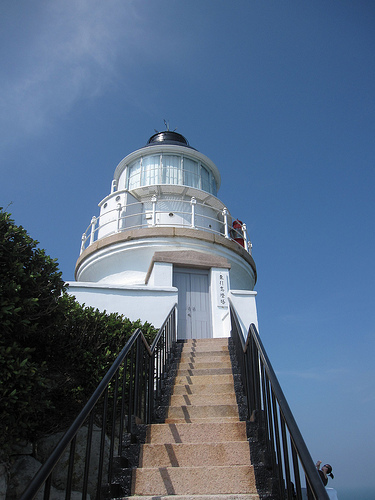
{"points": [[193, 303]]}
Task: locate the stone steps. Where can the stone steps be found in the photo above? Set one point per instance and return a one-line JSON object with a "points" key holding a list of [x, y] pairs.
{"points": [[240, 496], [200, 454], [196, 432], [201, 451], [202, 388], [224, 398], [205, 364], [215, 356], [202, 411], [204, 379], [194, 372], [188, 419], [208, 480]]}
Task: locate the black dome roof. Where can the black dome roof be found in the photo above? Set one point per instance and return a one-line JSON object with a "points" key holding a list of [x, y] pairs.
{"points": [[168, 137]]}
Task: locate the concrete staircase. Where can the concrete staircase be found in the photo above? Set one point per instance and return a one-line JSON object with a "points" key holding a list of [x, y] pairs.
{"points": [[201, 451]]}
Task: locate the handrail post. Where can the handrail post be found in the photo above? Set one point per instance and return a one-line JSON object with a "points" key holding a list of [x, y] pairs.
{"points": [[150, 412], [136, 380], [118, 208], [193, 202], [225, 215], [154, 200], [83, 241], [92, 234], [244, 233]]}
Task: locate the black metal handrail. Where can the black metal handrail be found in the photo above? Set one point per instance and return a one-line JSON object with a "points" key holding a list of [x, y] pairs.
{"points": [[124, 397], [265, 398]]}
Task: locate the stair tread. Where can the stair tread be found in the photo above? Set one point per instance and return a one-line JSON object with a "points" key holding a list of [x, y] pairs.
{"points": [[205, 354], [203, 379], [235, 496], [195, 454], [202, 399], [176, 420], [195, 480], [193, 372], [204, 388], [202, 365], [183, 432]]}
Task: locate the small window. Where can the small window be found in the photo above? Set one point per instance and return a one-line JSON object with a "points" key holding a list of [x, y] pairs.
{"points": [[134, 175], [171, 169], [205, 179], [191, 177], [150, 170]]}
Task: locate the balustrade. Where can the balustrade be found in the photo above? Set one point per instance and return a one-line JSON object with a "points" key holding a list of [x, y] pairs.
{"points": [[180, 213]]}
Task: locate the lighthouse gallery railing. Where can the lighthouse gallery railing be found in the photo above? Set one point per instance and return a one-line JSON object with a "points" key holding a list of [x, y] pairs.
{"points": [[189, 214], [126, 394], [265, 401]]}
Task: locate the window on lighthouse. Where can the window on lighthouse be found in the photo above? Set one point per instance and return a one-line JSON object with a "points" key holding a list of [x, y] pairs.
{"points": [[171, 169], [134, 174], [150, 170], [205, 175], [191, 177]]}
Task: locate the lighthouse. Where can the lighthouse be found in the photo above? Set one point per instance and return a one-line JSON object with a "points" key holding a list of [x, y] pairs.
{"points": [[163, 237]]}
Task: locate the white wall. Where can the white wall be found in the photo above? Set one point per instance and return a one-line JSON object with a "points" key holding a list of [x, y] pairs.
{"points": [[150, 304], [245, 306]]}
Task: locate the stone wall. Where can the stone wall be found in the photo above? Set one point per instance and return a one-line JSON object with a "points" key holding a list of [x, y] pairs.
{"points": [[27, 459]]}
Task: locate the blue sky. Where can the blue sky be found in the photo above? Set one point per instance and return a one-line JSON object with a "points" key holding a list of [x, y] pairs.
{"points": [[281, 96]]}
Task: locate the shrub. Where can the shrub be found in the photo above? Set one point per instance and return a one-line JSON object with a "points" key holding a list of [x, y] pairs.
{"points": [[30, 287], [53, 351], [82, 350]]}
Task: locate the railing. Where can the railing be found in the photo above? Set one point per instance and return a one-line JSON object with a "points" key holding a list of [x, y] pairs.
{"points": [[126, 395], [265, 399], [165, 213]]}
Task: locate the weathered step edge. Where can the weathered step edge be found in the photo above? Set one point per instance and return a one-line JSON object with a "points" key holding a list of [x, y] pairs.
{"points": [[194, 480], [239, 496]]}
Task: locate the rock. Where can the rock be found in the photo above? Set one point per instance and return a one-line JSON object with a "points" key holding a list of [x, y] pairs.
{"points": [[3, 481], [22, 472], [22, 448], [46, 445]]}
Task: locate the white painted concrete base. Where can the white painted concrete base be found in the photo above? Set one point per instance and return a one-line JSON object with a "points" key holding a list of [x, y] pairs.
{"points": [[153, 303], [146, 303]]}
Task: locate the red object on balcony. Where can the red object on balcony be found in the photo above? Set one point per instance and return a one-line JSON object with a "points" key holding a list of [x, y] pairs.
{"points": [[237, 232]]}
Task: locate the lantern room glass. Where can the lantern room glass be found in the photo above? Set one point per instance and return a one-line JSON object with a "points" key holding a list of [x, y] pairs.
{"points": [[170, 169]]}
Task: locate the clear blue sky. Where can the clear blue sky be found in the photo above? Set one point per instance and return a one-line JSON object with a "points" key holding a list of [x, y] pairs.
{"points": [[280, 95]]}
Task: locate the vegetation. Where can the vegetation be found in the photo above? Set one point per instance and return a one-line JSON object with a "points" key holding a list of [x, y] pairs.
{"points": [[53, 351]]}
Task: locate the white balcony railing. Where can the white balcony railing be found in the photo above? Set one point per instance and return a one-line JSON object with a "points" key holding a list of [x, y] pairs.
{"points": [[166, 213]]}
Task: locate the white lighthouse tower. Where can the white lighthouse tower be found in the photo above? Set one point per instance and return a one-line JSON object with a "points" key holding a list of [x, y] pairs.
{"points": [[164, 237]]}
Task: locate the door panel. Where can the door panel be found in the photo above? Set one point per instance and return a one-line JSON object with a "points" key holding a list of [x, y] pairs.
{"points": [[193, 304], [182, 282]]}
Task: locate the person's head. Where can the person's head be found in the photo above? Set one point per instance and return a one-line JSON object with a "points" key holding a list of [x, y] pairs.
{"points": [[328, 470]]}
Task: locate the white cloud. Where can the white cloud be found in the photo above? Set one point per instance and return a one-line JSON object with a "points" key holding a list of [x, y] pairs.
{"points": [[71, 53]]}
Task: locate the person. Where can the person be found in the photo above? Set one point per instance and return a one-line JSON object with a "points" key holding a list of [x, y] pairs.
{"points": [[324, 472]]}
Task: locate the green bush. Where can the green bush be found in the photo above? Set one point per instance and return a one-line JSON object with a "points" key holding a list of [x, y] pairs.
{"points": [[23, 394], [53, 351], [82, 350]]}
